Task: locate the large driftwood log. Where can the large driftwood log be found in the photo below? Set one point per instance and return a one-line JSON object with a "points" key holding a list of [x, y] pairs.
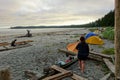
{"points": [[63, 73], [16, 47], [4, 44], [4, 73], [59, 76], [93, 55], [100, 54], [109, 65]]}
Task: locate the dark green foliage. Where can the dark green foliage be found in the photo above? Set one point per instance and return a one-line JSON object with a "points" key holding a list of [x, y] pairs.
{"points": [[107, 20], [108, 33], [109, 51]]}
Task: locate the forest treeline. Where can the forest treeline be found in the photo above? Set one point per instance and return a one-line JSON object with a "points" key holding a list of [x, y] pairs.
{"points": [[105, 21]]}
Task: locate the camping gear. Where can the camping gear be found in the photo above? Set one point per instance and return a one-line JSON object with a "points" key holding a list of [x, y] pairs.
{"points": [[90, 34], [72, 47], [94, 40]]}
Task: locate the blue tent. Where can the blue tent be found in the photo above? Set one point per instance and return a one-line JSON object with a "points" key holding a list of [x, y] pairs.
{"points": [[90, 34]]}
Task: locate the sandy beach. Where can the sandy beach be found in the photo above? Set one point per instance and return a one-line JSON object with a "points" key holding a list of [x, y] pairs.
{"points": [[44, 52]]}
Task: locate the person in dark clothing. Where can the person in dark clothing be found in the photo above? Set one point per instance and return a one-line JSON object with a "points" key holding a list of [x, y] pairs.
{"points": [[13, 42], [83, 52], [28, 33]]}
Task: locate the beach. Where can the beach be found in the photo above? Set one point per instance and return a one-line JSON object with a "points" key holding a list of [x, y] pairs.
{"points": [[44, 52]]}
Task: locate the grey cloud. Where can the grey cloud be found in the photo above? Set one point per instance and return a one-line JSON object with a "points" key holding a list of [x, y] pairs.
{"points": [[33, 12]]}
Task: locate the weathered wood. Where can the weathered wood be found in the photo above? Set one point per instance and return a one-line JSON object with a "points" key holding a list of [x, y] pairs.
{"points": [[20, 42], [16, 47], [91, 53], [23, 42], [4, 73], [94, 57], [58, 68], [76, 77], [109, 65], [100, 54], [63, 73], [106, 76], [59, 76], [117, 39], [63, 66], [4, 44]]}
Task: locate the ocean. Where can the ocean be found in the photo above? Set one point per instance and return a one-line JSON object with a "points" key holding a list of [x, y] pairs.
{"points": [[7, 31]]}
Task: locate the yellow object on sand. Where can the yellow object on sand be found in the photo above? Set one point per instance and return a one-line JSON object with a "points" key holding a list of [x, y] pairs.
{"points": [[91, 40], [72, 47], [94, 40]]}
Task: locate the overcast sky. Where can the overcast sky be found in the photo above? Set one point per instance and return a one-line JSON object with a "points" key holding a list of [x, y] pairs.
{"points": [[52, 12]]}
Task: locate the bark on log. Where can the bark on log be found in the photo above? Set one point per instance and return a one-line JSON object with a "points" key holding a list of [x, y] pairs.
{"points": [[117, 39]]}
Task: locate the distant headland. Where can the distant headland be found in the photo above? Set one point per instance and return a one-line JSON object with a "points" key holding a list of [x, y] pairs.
{"points": [[33, 27]]}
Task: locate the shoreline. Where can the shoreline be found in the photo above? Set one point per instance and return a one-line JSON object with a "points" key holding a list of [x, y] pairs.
{"points": [[44, 52]]}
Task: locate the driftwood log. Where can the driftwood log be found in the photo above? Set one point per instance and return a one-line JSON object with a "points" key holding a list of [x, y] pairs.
{"points": [[92, 55], [4, 44], [48, 71], [62, 74], [16, 47], [109, 65], [97, 56]]}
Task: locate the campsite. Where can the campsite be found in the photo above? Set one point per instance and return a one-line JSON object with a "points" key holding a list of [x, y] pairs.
{"points": [[44, 52]]}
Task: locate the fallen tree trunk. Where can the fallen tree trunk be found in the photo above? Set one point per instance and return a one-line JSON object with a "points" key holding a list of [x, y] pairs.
{"points": [[16, 47], [109, 65], [92, 55], [100, 54], [4, 44]]}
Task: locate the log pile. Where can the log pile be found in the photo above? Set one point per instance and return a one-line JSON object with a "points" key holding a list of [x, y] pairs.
{"points": [[59, 73], [107, 59]]}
